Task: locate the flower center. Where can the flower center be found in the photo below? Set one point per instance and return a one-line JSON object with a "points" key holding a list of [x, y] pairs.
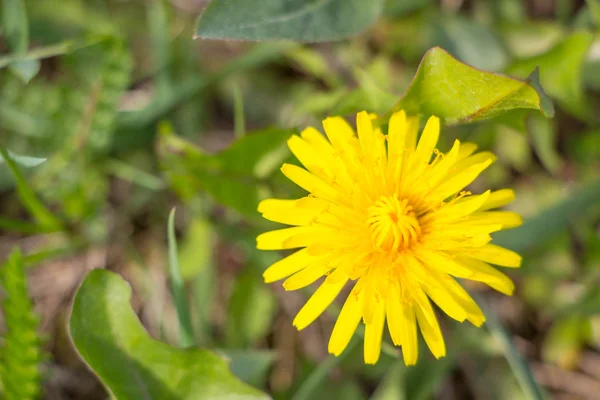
{"points": [[393, 224]]}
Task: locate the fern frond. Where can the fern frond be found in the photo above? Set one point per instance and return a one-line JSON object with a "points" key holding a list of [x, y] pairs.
{"points": [[21, 352]]}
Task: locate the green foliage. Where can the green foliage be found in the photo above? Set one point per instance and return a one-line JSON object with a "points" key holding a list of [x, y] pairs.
{"points": [[43, 216], [21, 350], [186, 332], [551, 221], [115, 345], [440, 88], [560, 72], [246, 166], [16, 30], [298, 20]]}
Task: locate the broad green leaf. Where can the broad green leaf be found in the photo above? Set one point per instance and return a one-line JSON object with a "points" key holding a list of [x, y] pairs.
{"points": [[298, 20], [112, 341], [186, 332], [236, 177], [561, 72], [458, 93], [550, 221], [251, 366]]}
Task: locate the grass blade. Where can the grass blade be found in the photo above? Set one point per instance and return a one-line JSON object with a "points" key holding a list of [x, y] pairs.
{"points": [[519, 367], [186, 334], [319, 374], [30, 201]]}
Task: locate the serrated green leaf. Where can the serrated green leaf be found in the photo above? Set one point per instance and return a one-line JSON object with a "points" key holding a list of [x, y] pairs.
{"points": [[458, 93], [235, 177], [133, 366], [21, 348], [561, 72], [298, 20]]}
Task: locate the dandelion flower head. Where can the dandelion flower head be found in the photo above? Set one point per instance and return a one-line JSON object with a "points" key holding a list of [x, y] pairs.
{"points": [[390, 216]]}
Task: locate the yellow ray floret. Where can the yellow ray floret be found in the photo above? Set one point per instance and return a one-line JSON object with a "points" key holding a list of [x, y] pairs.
{"points": [[390, 216]]}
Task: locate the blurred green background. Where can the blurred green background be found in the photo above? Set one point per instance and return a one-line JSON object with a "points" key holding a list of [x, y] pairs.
{"points": [[115, 115]]}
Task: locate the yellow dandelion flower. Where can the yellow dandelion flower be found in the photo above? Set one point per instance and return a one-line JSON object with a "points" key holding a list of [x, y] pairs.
{"points": [[394, 220]]}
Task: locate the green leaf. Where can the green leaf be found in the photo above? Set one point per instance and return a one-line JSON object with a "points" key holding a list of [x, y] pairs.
{"points": [[33, 204], [111, 339], [245, 328], [251, 366], [561, 72], [458, 93], [14, 25], [24, 161], [244, 166], [298, 20], [550, 221], [472, 43], [543, 135], [594, 7], [16, 32], [186, 333], [21, 349]]}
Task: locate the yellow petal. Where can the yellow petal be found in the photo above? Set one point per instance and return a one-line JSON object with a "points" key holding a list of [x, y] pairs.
{"points": [[430, 328], [366, 136], [440, 170], [412, 128], [464, 300], [287, 266], [459, 209], [305, 277], [428, 140], [397, 135], [309, 182], [466, 149], [394, 314], [507, 219], [373, 334], [488, 275], [347, 322], [318, 302], [495, 255], [498, 198], [458, 181], [410, 346], [291, 238], [473, 160]]}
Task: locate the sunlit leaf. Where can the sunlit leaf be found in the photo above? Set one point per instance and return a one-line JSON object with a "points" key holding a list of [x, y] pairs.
{"points": [[132, 365], [298, 20], [458, 93]]}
